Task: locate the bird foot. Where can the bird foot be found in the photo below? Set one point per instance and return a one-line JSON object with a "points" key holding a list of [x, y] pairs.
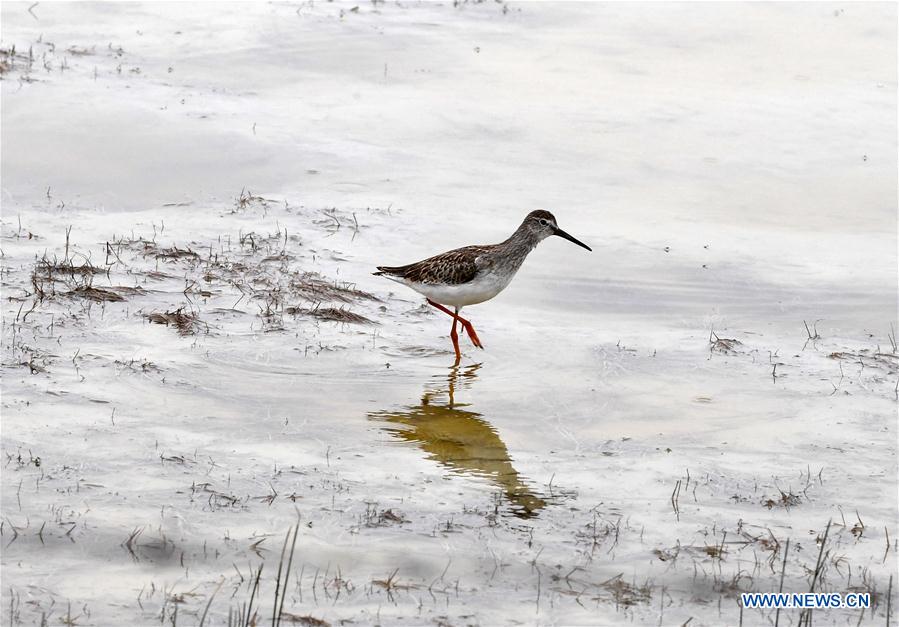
{"points": [[472, 335]]}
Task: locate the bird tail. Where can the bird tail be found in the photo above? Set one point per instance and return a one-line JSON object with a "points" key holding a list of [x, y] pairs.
{"points": [[389, 271]]}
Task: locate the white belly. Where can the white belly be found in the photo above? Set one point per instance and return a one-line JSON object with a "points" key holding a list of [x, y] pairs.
{"points": [[482, 288]]}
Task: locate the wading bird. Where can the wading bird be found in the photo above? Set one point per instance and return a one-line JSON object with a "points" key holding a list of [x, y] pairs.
{"points": [[474, 274]]}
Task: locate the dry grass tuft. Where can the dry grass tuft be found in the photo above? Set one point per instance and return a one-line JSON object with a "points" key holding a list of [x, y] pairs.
{"points": [[9, 58], [786, 499], [714, 550], [96, 294], [171, 253], [306, 621], [867, 357], [382, 518], [60, 270], [187, 323], [626, 594], [722, 344], [312, 287], [330, 314]]}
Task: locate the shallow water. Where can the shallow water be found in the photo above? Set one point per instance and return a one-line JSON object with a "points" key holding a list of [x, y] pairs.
{"points": [[462, 441], [606, 459]]}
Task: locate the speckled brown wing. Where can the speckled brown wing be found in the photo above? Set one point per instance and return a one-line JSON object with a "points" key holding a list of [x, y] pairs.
{"points": [[450, 268]]}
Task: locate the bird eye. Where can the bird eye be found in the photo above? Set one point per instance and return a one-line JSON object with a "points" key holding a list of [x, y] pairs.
{"points": [[543, 222]]}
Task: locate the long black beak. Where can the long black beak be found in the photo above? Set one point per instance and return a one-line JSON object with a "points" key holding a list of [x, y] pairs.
{"points": [[562, 233]]}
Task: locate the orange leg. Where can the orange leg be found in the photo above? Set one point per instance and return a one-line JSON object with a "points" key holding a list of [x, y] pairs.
{"points": [[455, 337], [472, 335]]}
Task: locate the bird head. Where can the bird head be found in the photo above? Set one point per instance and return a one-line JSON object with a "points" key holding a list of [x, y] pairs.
{"points": [[541, 224]]}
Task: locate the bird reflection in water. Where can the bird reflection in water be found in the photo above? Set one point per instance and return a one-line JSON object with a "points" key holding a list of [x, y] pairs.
{"points": [[461, 440]]}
